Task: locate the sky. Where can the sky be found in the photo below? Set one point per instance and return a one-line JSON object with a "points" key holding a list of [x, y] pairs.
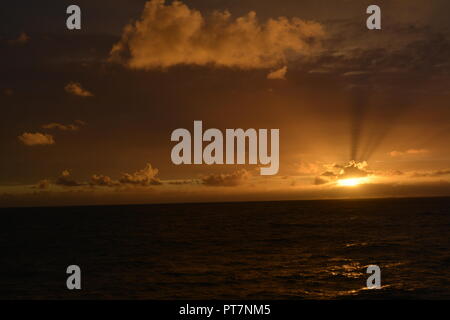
{"points": [[87, 115]]}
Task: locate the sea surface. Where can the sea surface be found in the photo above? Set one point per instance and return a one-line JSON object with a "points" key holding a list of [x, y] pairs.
{"points": [[251, 250]]}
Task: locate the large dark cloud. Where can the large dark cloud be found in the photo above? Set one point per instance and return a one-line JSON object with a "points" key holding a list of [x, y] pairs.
{"points": [[144, 177]]}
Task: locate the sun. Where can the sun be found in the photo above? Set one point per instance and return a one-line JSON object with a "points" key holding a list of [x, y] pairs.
{"points": [[351, 182]]}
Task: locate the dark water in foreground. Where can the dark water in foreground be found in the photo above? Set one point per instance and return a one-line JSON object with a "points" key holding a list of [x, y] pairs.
{"points": [[265, 250]]}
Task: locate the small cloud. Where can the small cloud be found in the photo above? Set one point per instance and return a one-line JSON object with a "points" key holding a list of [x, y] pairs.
{"points": [[102, 181], [319, 71], [144, 177], [181, 182], [354, 73], [65, 180], [75, 88], [36, 139], [396, 153], [63, 127], [226, 180], [174, 34], [43, 184], [81, 122], [279, 74], [436, 173], [352, 169], [22, 39]]}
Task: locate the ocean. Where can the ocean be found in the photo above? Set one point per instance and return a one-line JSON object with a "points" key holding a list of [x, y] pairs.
{"points": [[252, 250]]}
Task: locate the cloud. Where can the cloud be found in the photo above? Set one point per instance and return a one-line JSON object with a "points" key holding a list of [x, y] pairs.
{"points": [[226, 180], [8, 92], [69, 127], [319, 181], [65, 180], [278, 74], [75, 88], [174, 34], [354, 170], [391, 173], [43, 184], [181, 182], [144, 177], [354, 73], [308, 168], [22, 39], [436, 173], [410, 48], [36, 139], [408, 152], [328, 174]]}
